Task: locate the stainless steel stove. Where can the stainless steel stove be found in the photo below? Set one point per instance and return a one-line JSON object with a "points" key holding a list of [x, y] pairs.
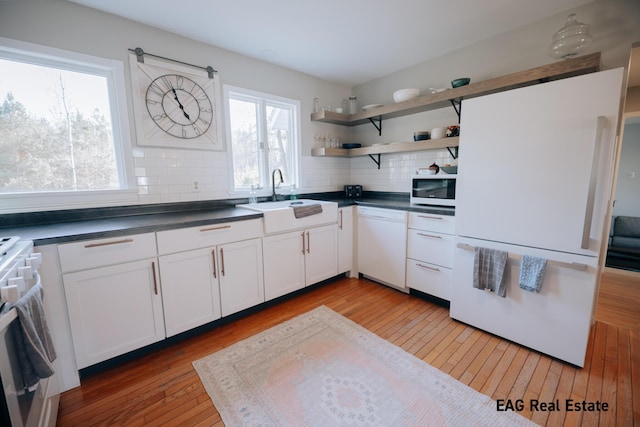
{"points": [[19, 406]]}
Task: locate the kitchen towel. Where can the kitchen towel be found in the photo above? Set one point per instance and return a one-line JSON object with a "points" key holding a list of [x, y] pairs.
{"points": [[33, 342], [307, 210], [531, 273], [488, 270]]}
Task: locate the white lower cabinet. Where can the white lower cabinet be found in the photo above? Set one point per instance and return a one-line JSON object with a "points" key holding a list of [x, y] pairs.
{"points": [[191, 292], [113, 309], [202, 285], [298, 259], [345, 239], [430, 245]]}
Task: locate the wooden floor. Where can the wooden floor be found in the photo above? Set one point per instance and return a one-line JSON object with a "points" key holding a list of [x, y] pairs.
{"points": [[163, 388]]}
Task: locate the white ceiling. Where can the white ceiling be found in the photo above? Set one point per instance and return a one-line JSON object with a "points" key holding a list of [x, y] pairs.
{"points": [[344, 41]]}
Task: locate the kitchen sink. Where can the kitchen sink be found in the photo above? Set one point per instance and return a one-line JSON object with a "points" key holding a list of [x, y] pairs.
{"points": [[279, 217]]}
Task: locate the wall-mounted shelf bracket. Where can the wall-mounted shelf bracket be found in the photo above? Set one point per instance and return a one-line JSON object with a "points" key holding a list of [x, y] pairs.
{"points": [[376, 161], [453, 153], [457, 105], [378, 125]]}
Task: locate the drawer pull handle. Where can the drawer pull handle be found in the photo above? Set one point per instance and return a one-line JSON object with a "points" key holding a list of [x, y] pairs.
{"points": [[155, 281], [213, 259], [222, 261], [431, 217], [302, 235], [427, 267], [429, 235], [340, 226], [222, 227], [114, 242], [308, 243]]}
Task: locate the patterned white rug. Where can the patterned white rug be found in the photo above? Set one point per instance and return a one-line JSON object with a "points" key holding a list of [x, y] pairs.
{"points": [[321, 369]]}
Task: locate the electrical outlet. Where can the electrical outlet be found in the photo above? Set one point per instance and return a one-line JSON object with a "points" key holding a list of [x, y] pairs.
{"points": [[196, 187]]}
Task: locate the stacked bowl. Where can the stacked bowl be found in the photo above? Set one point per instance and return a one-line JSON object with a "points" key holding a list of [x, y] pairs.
{"points": [[422, 135]]}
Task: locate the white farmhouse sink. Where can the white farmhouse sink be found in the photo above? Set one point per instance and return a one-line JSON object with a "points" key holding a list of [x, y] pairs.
{"points": [[279, 217]]}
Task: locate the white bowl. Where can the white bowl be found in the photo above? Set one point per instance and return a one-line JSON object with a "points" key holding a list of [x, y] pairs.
{"points": [[405, 94]]}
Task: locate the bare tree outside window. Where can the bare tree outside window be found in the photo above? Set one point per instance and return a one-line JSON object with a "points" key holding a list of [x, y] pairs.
{"points": [[55, 130]]}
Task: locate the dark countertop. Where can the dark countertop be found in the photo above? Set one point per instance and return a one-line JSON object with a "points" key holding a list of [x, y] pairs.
{"points": [[46, 228]]}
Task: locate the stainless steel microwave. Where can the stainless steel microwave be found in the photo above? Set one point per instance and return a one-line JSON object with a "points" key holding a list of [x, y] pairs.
{"points": [[436, 190]]}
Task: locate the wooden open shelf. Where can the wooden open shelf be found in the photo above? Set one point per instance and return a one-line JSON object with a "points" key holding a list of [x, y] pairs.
{"points": [[396, 147], [554, 71]]}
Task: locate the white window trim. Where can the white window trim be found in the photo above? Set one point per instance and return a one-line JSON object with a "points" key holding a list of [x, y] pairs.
{"points": [[113, 70], [227, 89]]}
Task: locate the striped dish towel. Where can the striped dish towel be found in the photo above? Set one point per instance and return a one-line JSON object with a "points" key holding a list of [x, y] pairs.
{"points": [[488, 270]]}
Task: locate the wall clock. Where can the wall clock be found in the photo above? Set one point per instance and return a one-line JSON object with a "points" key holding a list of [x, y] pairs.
{"points": [[175, 105]]}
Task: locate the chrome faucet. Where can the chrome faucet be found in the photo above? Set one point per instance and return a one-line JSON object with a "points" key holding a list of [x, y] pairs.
{"points": [[274, 197]]}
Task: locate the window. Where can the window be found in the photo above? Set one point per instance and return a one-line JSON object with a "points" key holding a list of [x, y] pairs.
{"points": [[262, 131], [63, 125]]}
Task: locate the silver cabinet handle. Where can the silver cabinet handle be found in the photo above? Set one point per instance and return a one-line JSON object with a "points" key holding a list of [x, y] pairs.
{"points": [[114, 242], [427, 267], [222, 227], [213, 260], [340, 226], [430, 217], [308, 243], [302, 235], [155, 280], [429, 235], [588, 212], [222, 261]]}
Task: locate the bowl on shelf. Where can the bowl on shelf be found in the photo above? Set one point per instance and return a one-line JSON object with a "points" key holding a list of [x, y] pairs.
{"points": [[426, 171], [449, 169], [351, 145], [405, 94], [462, 81], [422, 135], [437, 133]]}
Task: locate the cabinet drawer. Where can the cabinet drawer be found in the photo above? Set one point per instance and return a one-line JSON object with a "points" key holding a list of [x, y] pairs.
{"points": [[185, 239], [435, 248], [429, 278], [432, 222], [101, 252]]}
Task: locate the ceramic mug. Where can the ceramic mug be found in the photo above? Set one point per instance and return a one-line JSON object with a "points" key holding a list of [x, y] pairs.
{"points": [[437, 133]]}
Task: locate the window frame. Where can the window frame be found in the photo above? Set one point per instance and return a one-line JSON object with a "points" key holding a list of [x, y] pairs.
{"points": [[263, 98], [113, 71]]}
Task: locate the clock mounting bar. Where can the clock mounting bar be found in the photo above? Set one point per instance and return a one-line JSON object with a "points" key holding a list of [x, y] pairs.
{"points": [[140, 56]]}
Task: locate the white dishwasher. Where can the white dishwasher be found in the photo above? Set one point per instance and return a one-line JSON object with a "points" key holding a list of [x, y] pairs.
{"points": [[382, 245]]}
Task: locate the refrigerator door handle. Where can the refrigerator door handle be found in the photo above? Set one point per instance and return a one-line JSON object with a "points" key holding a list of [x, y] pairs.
{"points": [[588, 214], [573, 265]]}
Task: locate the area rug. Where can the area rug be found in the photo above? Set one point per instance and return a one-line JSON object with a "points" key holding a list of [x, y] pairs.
{"points": [[322, 369]]}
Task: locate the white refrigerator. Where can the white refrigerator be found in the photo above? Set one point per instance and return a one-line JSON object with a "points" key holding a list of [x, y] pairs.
{"points": [[534, 178]]}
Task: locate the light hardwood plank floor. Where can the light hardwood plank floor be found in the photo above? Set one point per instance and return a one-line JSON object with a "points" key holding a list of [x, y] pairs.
{"points": [[162, 388]]}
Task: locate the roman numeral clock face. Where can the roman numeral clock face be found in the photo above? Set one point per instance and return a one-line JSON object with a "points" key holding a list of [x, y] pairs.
{"points": [[179, 106], [175, 105]]}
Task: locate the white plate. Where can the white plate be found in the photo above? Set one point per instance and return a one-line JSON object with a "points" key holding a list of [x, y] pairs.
{"points": [[371, 106]]}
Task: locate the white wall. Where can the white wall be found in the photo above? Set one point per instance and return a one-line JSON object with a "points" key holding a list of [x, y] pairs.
{"points": [[166, 175], [628, 182], [615, 25]]}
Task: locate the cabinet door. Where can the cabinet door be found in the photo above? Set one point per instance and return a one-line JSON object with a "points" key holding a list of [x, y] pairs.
{"points": [[113, 310], [190, 289], [321, 261], [345, 239], [241, 280], [283, 263]]}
